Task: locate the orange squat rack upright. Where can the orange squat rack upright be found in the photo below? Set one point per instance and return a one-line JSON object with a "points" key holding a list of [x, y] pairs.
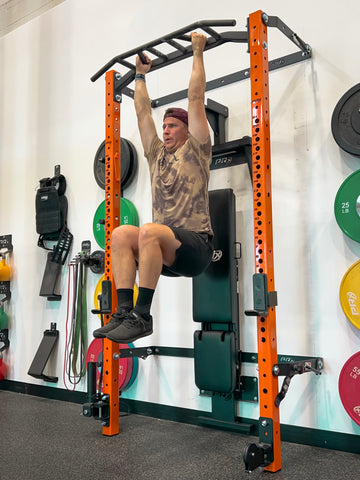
{"points": [[268, 453], [269, 422], [112, 220]]}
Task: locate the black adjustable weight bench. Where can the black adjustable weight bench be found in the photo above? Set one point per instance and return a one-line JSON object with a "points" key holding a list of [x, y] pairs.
{"points": [[215, 303]]}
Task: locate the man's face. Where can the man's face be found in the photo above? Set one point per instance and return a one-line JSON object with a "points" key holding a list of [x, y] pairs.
{"points": [[175, 134]]}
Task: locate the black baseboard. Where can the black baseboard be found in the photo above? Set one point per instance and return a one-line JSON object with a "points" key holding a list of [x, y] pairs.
{"points": [[344, 442], [45, 391]]}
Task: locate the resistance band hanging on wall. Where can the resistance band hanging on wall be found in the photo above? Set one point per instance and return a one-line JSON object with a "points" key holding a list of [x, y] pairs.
{"points": [[76, 325], [76, 314]]}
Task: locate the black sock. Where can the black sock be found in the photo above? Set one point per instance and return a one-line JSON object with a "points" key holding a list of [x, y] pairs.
{"points": [[143, 303], [125, 298]]}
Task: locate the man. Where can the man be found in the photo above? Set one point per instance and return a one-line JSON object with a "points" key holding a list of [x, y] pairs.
{"points": [[178, 242]]}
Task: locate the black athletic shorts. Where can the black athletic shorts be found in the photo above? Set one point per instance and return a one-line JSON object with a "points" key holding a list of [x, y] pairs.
{"points": [[193, 256]]}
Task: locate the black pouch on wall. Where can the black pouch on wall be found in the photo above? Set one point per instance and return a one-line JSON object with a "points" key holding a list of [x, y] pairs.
{"points": [[51, 207], [49, 218], [51, 225]]}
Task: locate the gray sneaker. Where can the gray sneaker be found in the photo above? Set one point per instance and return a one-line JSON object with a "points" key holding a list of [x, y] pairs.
{"points": [[133, 327], [115, 321]]}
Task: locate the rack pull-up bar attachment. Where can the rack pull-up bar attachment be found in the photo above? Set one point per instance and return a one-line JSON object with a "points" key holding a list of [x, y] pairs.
{"points": [[180, 41]]}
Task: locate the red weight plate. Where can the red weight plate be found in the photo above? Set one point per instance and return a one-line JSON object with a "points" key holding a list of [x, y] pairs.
{"points": [[349, 387], [128, 373], [135, 369], [3, 370], [94, 354]]}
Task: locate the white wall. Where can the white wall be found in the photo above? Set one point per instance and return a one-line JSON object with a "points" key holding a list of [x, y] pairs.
{"points": [[52, 114]]}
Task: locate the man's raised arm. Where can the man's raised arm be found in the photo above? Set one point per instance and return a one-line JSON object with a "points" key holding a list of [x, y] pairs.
{"points": [[198, 126], [143, 106]]}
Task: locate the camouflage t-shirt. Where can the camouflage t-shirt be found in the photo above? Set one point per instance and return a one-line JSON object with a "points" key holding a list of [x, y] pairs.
{"points": [[179, 185]]}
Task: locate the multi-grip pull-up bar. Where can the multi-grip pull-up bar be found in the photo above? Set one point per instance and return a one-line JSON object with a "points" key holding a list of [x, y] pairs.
{"points": [[268, 453], [179, 44]]}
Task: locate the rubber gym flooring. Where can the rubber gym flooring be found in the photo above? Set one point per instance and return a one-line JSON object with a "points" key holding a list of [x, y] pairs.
{"points": [[51, 439]]}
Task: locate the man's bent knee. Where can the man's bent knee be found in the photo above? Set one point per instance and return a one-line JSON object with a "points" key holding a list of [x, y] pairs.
{"points": [[155, 233], [163, 237], [148, 232], [126, 235]]}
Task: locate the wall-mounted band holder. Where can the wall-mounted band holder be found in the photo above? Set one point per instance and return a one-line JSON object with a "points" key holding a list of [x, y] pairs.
{"points": [[95, 260], [43, 353]]}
